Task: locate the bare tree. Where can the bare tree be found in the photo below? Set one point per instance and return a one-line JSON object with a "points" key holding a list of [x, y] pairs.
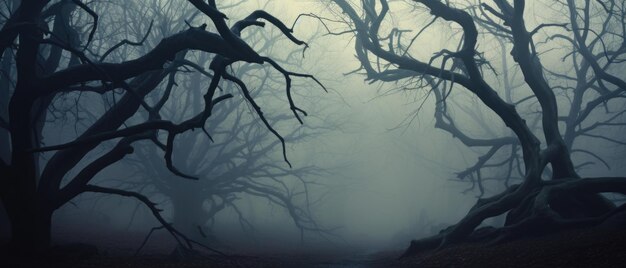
{"points": [[538, 204], [56, 54], [237, 161]]}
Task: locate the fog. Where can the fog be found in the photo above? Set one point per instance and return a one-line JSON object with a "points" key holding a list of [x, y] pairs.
{"points": [[389, 166], [371, 170]]}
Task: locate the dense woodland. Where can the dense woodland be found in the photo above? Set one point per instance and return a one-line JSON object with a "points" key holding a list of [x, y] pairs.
{"points": [[212, 113]]}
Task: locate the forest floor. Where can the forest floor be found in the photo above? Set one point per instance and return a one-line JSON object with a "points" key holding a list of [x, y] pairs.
{"points": [[574, 248]]}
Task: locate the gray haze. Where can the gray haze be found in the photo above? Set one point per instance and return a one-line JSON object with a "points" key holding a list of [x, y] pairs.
{"points": [[391, 175]]}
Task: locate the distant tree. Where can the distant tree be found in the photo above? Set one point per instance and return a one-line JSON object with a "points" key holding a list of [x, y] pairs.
{"points": [[550, 195], [236, 162], [234, 150], [55, 50]]}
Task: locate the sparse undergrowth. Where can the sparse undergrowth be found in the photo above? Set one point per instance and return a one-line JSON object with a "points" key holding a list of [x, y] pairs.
{"points": [[596, 247]]}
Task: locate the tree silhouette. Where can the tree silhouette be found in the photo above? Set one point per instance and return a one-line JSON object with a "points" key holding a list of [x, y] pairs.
{"points": [[539, 203], [54, 49], [236, 162]]}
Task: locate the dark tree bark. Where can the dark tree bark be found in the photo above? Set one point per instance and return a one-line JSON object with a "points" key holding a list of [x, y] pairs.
{"points": [[31, 191], [535, 205]]}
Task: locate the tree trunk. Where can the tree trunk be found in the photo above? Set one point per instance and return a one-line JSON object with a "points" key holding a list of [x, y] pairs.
{"points": [[30, 224], [189, 215], [5, 85]]}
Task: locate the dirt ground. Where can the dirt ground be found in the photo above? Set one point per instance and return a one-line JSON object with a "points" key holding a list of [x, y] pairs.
{"points": [[574, 248]]}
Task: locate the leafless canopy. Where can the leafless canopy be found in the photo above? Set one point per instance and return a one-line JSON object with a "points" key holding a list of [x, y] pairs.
{"points": [[534, 205], [48, 54]]}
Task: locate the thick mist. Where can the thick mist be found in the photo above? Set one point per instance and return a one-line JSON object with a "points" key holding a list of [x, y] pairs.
{"points": [[370, 171]]}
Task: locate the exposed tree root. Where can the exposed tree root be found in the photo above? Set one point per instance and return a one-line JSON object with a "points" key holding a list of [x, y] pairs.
{"points": [[535, 206], [531, 213]]}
